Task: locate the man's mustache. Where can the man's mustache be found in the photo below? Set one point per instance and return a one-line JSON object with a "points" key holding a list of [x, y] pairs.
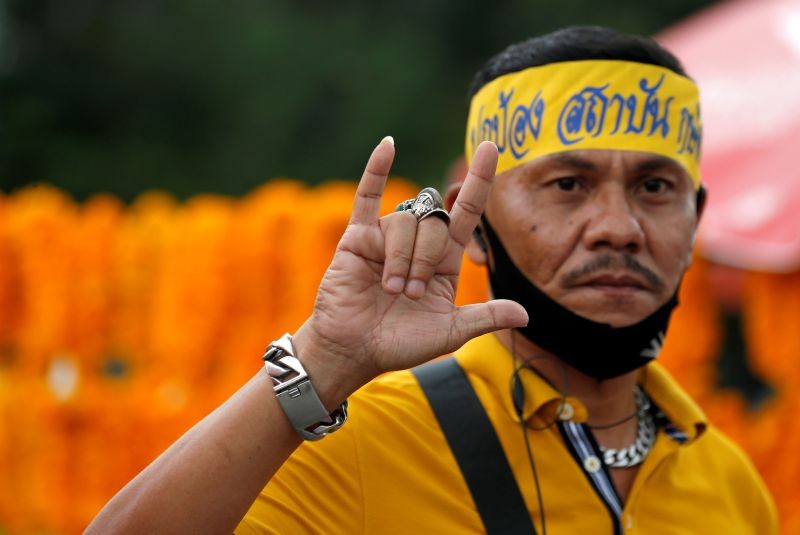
{"points": [[621, 261]]}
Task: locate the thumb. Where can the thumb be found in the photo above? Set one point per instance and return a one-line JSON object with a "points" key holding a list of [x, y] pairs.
{"points": [[474, 320]]}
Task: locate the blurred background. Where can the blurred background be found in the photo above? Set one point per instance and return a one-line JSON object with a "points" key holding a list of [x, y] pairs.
{"points": [[193, 96], [152, 155]]}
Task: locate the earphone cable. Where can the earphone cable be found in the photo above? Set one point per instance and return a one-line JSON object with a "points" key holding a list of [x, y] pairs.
{"points": [[519, 408]]}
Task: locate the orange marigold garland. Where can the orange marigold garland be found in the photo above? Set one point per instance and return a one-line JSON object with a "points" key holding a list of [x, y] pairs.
{"points": [[772, 308], [262, 237], [41, 231], [694, 337], [91, 292], [9, 283]]}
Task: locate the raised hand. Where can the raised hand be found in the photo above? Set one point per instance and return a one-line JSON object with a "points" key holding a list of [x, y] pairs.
{"points": [[386, 301]]}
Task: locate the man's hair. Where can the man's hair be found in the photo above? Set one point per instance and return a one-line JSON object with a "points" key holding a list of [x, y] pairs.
{"points": [[572, 44]]}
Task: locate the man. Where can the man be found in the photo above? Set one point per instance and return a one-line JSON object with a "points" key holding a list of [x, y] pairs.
{"points": [[589, 226]]}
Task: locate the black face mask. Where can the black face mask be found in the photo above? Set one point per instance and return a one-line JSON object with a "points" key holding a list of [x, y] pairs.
{"points": [[595, 349]]}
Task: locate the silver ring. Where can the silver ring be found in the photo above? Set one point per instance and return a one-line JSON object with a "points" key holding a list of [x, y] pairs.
{"points": [[428, 203]]}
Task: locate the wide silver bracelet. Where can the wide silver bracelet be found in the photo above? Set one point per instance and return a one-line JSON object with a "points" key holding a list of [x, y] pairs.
{"points": [[296, 394]]}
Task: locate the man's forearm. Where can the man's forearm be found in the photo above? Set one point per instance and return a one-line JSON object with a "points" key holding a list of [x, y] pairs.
{"points": [[207, 480]]}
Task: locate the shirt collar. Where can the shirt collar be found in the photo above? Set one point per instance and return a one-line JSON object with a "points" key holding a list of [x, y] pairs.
{"points": [[488, 359], [680, 409]]}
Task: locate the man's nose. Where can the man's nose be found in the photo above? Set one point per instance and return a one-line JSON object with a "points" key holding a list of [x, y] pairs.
{"points": [[613, 223]]}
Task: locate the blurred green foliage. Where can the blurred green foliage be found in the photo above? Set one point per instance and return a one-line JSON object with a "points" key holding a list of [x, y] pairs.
{"points": [[191, 95]]}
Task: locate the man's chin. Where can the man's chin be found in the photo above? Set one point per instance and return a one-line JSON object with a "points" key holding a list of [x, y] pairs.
{"points": [[620, 311], [617, 320]]}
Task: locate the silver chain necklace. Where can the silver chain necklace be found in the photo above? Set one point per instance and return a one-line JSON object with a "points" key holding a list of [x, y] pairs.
{"points": [[646, 434]]}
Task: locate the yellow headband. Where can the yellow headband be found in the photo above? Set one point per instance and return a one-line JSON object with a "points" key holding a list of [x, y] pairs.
{"points": [[592, 104]]}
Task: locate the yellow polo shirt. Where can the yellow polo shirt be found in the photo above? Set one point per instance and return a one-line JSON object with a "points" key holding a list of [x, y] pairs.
{"points": [[389, 470]]}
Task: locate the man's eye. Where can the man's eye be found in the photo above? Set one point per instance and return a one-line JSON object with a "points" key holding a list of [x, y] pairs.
{"points": [[567, 184], [656, 185]]}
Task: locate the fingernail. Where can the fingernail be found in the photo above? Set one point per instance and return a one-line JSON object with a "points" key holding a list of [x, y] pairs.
{"points": [[415, 288], [395, 284], [390, 139]]}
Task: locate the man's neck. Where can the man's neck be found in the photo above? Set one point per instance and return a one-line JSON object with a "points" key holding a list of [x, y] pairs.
{"points": [[607, 401]]}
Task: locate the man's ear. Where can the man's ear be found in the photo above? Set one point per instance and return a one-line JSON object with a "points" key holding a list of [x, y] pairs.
{"points": [[700, 206], [476, 247], [700, 202], [451, 194]]}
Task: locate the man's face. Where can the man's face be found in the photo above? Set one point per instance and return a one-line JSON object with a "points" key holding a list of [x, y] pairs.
{"points": [[605, 233]]}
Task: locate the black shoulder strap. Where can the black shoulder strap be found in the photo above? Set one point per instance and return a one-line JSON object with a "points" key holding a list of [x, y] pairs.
{"points": [[475, 446]]}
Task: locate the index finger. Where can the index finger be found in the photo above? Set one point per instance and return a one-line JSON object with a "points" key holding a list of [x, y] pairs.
{"points": [[367, 204], [471, 200]]}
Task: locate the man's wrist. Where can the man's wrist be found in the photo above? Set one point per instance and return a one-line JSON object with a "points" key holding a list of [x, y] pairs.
{"points": [[296, 393], [334, 373]]}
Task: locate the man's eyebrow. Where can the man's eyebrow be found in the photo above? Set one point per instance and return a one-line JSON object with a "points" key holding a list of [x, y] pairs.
{"points": [[652, 163], [573, 161]]}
